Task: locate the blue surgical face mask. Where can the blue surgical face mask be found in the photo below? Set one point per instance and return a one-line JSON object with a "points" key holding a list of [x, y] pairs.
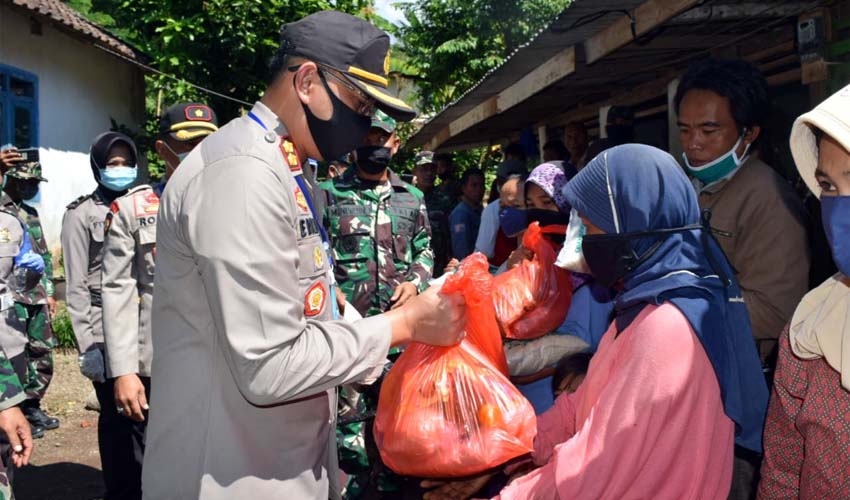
{"points": [[34, 200], [719, 168], [118, 178], [835, 214]]}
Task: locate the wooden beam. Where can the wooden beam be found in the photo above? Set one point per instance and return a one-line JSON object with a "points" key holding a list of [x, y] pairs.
{"points": [[476, 115], [794, 75], [549, 72], [648, 16], [556, 68], [439, 138]]}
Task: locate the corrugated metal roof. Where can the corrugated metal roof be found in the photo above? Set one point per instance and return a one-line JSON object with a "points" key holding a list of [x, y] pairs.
{"points": [[71, 20]]}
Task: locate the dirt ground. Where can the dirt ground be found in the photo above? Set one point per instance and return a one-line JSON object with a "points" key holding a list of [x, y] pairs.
{"points": [[65, 463]]}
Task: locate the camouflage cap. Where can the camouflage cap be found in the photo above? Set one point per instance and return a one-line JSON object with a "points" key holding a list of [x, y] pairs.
{"points": [[26, 170], [382, 121], [424, 158]]}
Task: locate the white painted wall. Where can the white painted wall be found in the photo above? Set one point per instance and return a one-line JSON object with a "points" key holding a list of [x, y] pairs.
{"points": [[80, 87]]}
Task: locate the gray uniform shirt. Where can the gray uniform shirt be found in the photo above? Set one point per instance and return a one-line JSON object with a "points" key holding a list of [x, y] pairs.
{"points": [[13, 336], [82, 245], [128, 271], [245, 357]]}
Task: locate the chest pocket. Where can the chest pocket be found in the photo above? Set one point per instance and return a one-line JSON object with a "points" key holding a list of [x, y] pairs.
{"points": [[353, 241], [725, 232], [403, 222], [96, 231], [147, 244], [312, 261]]}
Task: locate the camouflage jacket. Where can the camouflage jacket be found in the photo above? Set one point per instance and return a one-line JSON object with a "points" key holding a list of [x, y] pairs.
{"points": [[30, 216], [381, 238], [11, 390]]}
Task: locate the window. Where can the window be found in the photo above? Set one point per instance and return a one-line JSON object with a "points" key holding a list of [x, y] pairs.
{"points": [[18, 108]]}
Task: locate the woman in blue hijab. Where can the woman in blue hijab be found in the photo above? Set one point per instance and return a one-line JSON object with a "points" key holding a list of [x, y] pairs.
{"points": [[676, 381]]}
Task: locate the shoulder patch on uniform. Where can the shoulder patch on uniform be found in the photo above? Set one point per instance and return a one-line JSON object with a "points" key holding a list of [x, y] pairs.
{"points": [[76, 203], [139, 188], [145, 203], [314, 299]]}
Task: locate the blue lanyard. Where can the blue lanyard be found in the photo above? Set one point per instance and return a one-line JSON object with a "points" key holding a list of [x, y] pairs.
{"points": [[299, 179]]}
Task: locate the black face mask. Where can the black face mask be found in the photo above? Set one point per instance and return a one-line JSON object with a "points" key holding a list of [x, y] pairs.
{"points": [[21, 189], [373, 159], [342, 132], [611, 256]]}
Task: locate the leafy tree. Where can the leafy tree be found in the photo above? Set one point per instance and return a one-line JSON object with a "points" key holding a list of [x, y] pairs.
{"points": [[450, 44], [222, 45]]}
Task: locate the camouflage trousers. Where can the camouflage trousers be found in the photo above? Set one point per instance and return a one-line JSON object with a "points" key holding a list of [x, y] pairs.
{"points": [[39, 350], [6, 470]]}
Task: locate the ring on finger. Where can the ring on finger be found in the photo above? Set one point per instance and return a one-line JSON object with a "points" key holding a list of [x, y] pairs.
{"points": [[120, 409]]}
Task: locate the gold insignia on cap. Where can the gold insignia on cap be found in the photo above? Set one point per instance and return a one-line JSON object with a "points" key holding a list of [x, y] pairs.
{"points": [[199, 113], [387, 63]]}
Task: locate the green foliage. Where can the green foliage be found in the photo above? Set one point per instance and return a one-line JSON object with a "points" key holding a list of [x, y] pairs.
{"points": [[62, 328], [222, 45], [450, 44]]}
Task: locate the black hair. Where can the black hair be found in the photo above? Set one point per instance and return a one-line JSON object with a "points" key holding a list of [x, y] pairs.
{"points": [[735, 79], [516, 150], [558, 147], [470, 173], [574, 364]]}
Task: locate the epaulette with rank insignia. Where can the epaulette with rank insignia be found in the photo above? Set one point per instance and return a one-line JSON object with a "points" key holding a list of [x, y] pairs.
{"points": [[76, 203]]}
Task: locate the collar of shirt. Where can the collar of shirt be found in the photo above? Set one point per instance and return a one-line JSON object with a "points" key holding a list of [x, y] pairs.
{"points": [[269, 119], [716, 186]]}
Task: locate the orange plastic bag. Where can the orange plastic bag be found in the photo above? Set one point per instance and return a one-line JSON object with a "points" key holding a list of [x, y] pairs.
{"points": [[451, 411], [533, 298]]}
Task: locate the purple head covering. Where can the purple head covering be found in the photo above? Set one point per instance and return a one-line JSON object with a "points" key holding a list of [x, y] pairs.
{"points": [[551, 179]]}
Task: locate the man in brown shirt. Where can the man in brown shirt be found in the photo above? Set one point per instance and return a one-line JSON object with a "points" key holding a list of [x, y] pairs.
{"points": [[755, 215]]}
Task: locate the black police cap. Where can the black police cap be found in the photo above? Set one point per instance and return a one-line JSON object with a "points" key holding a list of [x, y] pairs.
{"points": [[188, 120], [352, 46]]}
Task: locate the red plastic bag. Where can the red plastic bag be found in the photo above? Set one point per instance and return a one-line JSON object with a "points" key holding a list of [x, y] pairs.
{"points": [[451, 411], [533, 298]]}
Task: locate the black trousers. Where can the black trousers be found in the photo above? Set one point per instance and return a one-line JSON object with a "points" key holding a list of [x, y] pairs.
{"points": [[122, 444]]}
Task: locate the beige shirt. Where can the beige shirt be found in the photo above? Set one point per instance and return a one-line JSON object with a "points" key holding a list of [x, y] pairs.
{"points": [[759, 223], [82, 245], [128, 271], [245, 357]]}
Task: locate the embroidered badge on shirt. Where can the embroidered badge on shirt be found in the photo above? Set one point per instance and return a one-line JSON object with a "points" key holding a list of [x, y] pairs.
{"points": [[5, 235], [318, 258], [301, 201], [146, 204], [314, 300], [291, 156]]}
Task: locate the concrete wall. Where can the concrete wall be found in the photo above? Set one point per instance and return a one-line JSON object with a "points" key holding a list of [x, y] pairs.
{"points": [[80, 87]]}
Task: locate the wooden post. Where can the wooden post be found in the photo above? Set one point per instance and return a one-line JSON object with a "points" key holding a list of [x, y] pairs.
{"points": [[603, 120], [541, 140], [674, 143]]}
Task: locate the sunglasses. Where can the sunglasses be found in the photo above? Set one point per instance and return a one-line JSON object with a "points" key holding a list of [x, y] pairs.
{"points": [[366, 104]]}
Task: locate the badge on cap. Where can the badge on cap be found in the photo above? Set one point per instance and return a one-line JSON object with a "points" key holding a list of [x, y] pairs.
{"points": [[301, 201], [318, 257], [314, 299], [198, 113]]}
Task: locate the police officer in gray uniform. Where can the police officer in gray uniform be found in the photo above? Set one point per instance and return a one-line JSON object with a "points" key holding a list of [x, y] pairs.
{"points": [[113, 161], [246, 355]]}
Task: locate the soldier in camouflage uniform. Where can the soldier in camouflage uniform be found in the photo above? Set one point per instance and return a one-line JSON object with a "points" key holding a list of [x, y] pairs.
{"points": [[382, 258], [20, 192], [439, 204], [16, 442], [15, 243]]}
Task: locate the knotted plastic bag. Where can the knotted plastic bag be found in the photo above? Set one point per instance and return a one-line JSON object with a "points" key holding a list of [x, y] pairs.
{"points": [[451, 411], [533, 298]]}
